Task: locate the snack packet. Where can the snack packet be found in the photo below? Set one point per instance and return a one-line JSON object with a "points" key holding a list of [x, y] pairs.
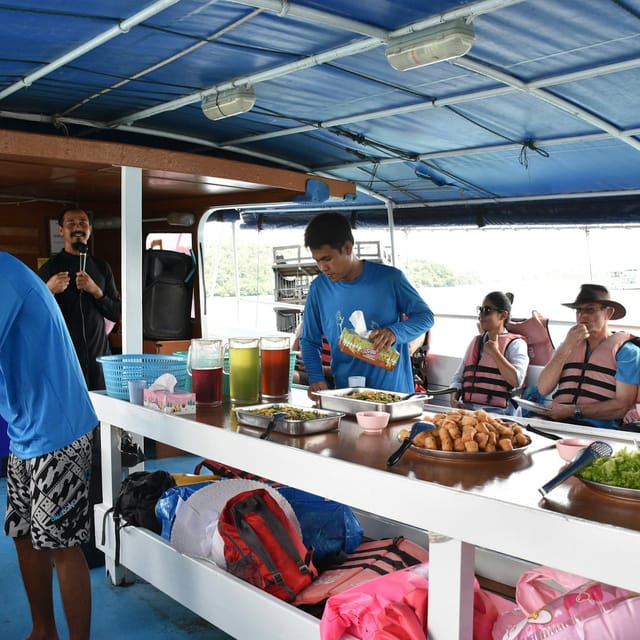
{"points": [[362, 348]]}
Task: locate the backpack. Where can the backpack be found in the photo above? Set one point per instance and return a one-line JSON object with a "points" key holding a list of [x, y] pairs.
{"points": [[225, 471], [262, 547], [136, 503]]}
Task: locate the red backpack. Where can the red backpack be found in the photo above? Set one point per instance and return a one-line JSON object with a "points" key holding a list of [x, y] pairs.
{"points": [[262, 547]]}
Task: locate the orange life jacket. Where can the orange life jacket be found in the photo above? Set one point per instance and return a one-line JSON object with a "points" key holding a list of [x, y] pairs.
{"points": [[536, 331], [482, 382], [592, 378]]}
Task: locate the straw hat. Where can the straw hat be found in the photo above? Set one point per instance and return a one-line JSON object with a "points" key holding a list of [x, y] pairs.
{"points": [[596, 293], [195, 528]]}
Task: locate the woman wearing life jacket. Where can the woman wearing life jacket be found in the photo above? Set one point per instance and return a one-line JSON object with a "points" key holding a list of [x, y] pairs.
{"points": [[495, 362], [594, 372]]}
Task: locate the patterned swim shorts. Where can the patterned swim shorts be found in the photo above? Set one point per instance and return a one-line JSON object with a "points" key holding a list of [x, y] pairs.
{"points": [[48, 496]]}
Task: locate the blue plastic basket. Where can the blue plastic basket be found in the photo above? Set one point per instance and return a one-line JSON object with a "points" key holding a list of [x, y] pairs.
{"points": [[118, 370]]}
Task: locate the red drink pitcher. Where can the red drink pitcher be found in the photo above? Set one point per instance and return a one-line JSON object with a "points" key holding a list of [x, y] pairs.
{"points": [[204, 365], [274, 353]]}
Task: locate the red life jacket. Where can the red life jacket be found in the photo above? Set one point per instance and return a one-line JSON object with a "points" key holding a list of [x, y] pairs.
{"points": [[592, 378], [536, 331], [482, 382], [326, 353]]}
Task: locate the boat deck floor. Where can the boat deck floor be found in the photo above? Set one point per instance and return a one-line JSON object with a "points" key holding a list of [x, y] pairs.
{"points": [[135, 612]]}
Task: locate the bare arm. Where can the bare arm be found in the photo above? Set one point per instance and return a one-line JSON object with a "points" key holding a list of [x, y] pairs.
{"points": [[614, 409], [507, 370], [550, 375], [58, 282]]}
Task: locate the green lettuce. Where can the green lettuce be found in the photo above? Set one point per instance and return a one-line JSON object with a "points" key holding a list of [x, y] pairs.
{"points": [[619, 470]]}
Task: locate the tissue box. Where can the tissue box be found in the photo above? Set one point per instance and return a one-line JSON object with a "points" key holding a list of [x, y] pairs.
{"points": [[362, 348], [170, 401]]}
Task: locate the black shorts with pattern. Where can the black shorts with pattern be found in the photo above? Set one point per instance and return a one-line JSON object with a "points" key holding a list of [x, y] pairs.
{"points": [[48, 496]]}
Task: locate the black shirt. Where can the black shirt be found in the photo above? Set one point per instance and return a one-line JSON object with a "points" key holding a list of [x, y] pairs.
{"points": [[83, 314]]}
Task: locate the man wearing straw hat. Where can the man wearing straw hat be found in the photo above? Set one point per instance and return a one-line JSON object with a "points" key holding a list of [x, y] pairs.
{"points": [[594, 372]]}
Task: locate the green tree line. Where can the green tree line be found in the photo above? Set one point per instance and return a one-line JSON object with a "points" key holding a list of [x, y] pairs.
{"points": [[256, 276]]}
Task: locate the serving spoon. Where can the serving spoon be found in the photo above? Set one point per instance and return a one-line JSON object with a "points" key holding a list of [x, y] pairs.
{"points": [[595, 450], [275, 419], [418, 427]]}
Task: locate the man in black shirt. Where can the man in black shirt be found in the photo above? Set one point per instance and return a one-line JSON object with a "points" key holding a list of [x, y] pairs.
{"points": [[86, 292]]}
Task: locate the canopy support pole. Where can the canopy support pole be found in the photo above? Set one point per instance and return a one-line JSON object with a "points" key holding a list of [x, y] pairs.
{"points": [[131, 245]]}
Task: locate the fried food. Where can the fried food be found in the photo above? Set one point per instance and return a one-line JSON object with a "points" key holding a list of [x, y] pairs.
{"points": [[465, 431]]}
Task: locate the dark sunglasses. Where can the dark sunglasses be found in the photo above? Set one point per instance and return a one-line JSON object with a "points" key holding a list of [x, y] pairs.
{"points": [[485, 311]]}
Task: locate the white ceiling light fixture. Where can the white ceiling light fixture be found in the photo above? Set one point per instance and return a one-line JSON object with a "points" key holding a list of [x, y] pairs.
{"points": [[230, 102], [444, 41]]}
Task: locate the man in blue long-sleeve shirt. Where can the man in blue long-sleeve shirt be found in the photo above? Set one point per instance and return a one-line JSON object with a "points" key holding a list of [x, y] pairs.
{"points": [[393, 310]]}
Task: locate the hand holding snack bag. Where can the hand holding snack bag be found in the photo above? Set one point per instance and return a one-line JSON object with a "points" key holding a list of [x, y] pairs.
{"points": [[357, 344]]}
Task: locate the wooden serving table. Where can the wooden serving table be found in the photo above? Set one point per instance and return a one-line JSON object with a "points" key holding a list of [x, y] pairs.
{"points": [[463, 505]]}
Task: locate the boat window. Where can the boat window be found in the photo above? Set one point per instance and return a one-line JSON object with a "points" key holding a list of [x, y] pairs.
{"points": [[453, 269]]}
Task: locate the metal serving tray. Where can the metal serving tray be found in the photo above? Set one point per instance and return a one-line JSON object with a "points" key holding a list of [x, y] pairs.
{"points": [[336, 400], [326, 421]]}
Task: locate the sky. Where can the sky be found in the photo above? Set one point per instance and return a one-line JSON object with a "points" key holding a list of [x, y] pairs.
{"points": [[542, 267]]}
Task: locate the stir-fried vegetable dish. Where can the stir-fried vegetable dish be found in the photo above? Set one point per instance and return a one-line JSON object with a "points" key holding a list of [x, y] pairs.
{"points": [[374, 396], [295, 413], [619, 470]]}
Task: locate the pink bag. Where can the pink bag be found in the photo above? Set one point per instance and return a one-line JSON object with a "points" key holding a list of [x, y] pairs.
{"points": [[541, 585], [394, 607], [552, 607]]}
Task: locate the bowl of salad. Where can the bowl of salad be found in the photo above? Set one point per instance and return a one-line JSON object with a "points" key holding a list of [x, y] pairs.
{"points": [[617, 475]]}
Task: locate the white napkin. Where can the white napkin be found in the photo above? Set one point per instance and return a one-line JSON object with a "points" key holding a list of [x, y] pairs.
{"points": [[166, 382], [359, 323]]}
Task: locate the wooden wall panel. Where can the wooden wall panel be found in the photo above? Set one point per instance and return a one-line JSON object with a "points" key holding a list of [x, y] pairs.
{"points": [[24, 230]]}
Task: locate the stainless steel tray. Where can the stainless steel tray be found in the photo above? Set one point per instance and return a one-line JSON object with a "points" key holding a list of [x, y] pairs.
{"points": [[336, 400], [326, 421]]}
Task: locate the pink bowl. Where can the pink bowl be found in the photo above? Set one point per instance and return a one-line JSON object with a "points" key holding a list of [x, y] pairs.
{"points": [[373, 421], [569, 447]]}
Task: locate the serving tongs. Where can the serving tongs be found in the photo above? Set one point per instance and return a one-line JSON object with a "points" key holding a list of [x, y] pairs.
{"points": [[273, 423], [595, 450], [418, 428], [441, 392], [544, 434]]}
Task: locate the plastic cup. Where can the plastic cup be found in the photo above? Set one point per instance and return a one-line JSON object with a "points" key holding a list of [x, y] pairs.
{"points": [[136, 391], [293, 356], [357, 381], [276, 359], [244, 370], [204, 365]]}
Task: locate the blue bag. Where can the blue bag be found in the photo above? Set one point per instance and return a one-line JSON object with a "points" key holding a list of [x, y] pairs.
{"points": [[327, 526], [168, 501]]}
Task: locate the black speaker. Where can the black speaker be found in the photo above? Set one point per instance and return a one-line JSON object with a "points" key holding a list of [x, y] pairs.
{"points": [[167, 293]]}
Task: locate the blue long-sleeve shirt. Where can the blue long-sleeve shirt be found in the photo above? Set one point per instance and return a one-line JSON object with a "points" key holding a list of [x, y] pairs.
{"points": [[386, 297]]}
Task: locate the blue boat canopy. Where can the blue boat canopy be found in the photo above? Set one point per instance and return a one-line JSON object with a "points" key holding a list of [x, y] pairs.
{"points": [[528, 114]]}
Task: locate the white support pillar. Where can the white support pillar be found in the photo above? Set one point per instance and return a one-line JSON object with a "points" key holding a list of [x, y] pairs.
{"points": [[451, 573], [131, 245], [131, 242]]}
